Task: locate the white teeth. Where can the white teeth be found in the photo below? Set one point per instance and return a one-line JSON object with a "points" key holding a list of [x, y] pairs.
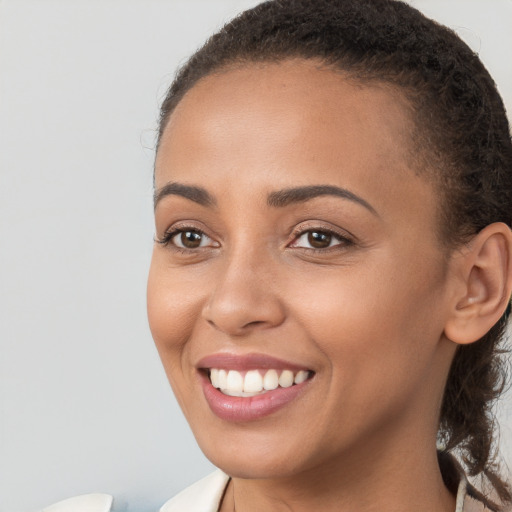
{"points": [[255, 382], [214, 377], [271, 380], [235, 382], [286, 379], [236, 393], [223, 379], [301, 377]]}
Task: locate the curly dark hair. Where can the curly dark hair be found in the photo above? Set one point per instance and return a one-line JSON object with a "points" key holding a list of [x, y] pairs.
{"points": [[461, 137]]}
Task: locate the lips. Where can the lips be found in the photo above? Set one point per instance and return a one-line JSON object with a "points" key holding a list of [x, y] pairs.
{"points": [[249, 387]]}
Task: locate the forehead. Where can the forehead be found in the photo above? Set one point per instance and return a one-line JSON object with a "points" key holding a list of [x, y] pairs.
{"points": [[292, 102], [262, 127]]}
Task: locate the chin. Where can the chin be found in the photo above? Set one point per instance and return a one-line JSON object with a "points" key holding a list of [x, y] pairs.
{"points": [[256, 454], [248, 466]]}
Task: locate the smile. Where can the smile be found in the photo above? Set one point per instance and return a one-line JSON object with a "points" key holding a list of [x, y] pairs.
{"points": [[242, 388], [254, 382]]}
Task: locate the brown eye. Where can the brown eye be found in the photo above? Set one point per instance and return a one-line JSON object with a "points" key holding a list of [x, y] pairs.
{"points": [[319, 239], [190, 239], [187, 239]]}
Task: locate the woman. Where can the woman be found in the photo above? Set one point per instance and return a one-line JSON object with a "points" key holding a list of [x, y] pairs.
{"points": [[333, 261]]}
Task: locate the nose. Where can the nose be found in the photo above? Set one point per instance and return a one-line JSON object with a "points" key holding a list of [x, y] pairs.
{"points": [[243, 298]]}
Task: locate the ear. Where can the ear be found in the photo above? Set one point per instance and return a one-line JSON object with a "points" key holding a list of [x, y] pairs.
{"points": [[482, 286]]}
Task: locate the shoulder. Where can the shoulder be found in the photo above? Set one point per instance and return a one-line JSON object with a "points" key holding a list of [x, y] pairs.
{"points": [[465, 502], [203, 496], [471, 499]]}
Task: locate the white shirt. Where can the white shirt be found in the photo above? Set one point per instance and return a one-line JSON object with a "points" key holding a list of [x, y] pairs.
{"points": [[206, 494]]}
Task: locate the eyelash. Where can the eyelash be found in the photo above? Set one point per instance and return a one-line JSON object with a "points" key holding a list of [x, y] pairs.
{"points": [[343, 240], [167, 239]]}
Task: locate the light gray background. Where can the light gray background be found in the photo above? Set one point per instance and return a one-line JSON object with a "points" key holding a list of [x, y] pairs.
{"points": [[84, 403]]}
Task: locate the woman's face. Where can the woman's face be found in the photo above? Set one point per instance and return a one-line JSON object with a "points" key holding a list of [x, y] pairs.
{"points": [[297, 241]]}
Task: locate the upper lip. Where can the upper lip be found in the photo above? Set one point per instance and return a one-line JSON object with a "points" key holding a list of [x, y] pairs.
{"points": [[241, 362]]}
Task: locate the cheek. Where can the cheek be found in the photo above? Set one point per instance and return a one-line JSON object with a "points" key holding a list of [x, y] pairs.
{"points": [[364, 335], [172, 310], [378, 332]]}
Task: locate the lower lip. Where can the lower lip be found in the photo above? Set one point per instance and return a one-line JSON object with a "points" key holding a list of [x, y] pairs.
{"points": [[242, 409]]}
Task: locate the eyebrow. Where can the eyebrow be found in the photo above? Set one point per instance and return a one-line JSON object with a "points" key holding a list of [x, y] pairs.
{"points": [[197, 194], [277, 199], [288, 196]]}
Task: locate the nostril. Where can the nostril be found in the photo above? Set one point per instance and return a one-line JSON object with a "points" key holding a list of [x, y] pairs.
{"points": [[254, 323], [237, 330]]}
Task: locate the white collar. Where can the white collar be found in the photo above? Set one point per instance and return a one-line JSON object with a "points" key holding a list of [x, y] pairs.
{"points": [[206, 495]]}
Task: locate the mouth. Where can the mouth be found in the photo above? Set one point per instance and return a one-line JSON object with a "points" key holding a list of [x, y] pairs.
{"points": [[250, 387], [254, 382]]}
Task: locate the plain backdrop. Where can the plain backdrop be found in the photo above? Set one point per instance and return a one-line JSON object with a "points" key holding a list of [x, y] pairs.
{"points": [[84, 403]]}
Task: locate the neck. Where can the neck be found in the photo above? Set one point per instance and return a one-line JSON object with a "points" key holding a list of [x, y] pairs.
{"points": [[397, 477]]}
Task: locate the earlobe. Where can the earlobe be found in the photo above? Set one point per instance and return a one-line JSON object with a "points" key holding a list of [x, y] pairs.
{"points": [[484, 284]]}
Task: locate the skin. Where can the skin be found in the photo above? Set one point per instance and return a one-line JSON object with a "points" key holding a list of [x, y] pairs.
{"points": [[367, 315]]}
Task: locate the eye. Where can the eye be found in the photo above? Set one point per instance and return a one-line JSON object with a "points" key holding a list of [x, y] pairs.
{"points": [[319, 239], [190, 239], [187, 239]]}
